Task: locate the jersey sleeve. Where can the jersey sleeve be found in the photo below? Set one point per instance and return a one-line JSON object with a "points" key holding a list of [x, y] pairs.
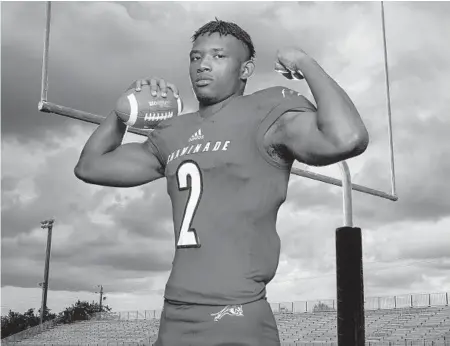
{"points": [[277, 101]]}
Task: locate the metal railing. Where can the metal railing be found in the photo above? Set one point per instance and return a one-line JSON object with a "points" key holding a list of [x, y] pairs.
{"points": [[372, 303], [127, 315], [405, 342]]}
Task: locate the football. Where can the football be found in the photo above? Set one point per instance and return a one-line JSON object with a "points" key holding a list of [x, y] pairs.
{"points": [[143, 111]]}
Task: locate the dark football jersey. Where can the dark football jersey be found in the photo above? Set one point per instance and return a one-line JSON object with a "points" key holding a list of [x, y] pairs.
{"points": [[225, 191]]}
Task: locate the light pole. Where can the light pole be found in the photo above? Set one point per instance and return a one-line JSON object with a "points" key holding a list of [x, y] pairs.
{"points": [[49, 225], [101, 298]]}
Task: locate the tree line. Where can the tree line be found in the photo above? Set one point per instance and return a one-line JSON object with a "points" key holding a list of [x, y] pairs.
{"points": [[16, 322]]}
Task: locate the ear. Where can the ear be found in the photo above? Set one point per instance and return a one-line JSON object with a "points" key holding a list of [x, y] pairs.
{"points": [[247, 69]]}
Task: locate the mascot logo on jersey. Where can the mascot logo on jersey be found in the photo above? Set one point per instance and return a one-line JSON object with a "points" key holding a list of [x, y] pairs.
{"points": [[232, 310]]}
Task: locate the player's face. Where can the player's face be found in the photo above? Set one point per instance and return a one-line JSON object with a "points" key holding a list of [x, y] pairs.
{"points": [[215, 67]]}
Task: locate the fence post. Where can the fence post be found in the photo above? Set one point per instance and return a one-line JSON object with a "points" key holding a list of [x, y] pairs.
{"points": [[411, 300], [446, 298], [429, 299], [292, 307], [306, 306]]}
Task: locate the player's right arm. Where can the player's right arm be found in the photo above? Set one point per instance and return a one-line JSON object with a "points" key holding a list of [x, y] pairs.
{"points": [[106, 161]]}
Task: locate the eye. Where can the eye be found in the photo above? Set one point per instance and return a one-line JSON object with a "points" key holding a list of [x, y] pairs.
{"points": [[195, 58], [219, 56]]}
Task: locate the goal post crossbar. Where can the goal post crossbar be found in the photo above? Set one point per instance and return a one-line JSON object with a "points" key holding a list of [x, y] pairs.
{"points": [[49, 107]]}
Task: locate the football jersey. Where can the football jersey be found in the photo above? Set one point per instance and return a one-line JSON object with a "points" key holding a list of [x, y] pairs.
{"points": [[225, 191]]}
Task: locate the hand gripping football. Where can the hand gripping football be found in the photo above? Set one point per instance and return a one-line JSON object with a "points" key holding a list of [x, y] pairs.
{"points": [[143, 111]]}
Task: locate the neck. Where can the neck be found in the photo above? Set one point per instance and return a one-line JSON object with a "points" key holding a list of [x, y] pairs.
{"points": [[206, 111]]}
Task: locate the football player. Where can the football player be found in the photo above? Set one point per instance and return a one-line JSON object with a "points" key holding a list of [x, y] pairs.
{"points": [[227, 168]]}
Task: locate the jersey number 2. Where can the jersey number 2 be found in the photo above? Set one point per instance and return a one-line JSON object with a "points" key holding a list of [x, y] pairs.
{"points": [[189, 178]]}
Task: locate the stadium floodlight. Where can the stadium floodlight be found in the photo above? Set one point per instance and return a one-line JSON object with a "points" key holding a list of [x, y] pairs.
{"points": [[47, 223]]}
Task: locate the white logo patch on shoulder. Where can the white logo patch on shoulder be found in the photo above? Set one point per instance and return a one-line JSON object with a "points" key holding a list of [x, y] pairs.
{"points": [[292, 92]]}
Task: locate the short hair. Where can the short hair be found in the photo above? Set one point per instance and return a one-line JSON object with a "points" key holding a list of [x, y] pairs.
{"points": [[227, 28]]}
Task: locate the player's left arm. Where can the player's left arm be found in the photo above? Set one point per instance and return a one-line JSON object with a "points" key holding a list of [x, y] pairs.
{"points": [[320, 136]]}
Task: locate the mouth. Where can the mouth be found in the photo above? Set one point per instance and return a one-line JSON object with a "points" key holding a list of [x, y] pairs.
{"points": [[203, 81]]}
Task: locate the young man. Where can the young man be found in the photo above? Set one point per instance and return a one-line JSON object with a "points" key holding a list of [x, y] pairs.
{"points": [[227, 168]]}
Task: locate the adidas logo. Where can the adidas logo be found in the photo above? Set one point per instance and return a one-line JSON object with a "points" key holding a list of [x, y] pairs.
{"points": [[196, 136]]}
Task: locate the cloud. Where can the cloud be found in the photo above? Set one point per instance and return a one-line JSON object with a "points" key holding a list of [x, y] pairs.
{"points": [[93, 231], [55, 191]]}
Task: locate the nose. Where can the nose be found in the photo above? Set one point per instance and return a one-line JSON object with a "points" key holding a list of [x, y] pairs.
{"points": [[205, 65]]}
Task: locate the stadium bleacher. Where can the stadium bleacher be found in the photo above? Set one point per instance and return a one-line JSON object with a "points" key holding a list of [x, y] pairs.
{"points": [[398, 325]]}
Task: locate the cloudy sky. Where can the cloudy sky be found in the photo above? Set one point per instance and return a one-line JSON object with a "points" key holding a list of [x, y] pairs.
{"points": [[123, 238]]}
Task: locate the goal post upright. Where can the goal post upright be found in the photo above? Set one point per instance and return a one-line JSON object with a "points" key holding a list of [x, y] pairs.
{"points": [[44, 78]]}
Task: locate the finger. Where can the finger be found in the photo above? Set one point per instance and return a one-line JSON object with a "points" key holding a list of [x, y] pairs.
{"points": [[138, 86], [279, 64], [288, 75], [153, 87], [283, 71], [280, 68], [288, 72], [174, 89], [284, 74], [287, 68], [163, 87], [140, 83], [297, 75]]}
